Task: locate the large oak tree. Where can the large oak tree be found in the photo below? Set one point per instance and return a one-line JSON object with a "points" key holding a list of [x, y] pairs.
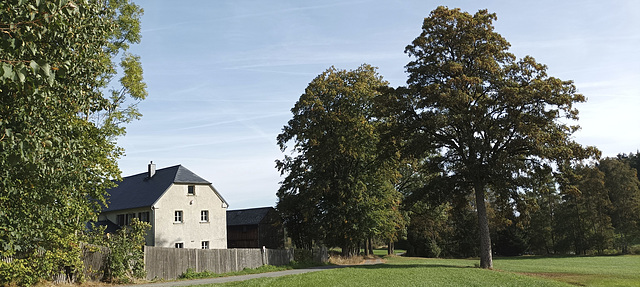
{"points": [[492, 119]]}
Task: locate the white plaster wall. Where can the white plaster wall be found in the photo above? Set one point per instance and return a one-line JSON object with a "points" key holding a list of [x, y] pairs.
{"points": [[191, 231]]}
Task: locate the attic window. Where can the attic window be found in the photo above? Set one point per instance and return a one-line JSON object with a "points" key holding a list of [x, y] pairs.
{"points": [[191, 190]]}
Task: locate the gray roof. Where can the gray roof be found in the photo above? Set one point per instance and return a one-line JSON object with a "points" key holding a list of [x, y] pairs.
{"points": [[251, 216], [139, 190]]}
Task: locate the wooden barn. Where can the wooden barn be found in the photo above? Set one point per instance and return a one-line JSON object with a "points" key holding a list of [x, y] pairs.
{"points": [[254, 228]]}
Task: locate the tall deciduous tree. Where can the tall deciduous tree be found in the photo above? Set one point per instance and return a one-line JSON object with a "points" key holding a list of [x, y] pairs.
{"points": [[546, 199], [492, 118], [586, 224], [336, 172], [623, 190], [60, 114]]}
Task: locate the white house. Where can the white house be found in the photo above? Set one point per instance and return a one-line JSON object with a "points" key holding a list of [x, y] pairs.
{"points": [[184, 210]]}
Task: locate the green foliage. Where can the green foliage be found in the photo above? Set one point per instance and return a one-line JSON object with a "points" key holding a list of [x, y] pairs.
{"points": [[338, 185], [586, 226], [126, 256], [623, 188], [42, 264], [541, 235], [126, 250], [632, 160], [57, 128], [191, 274]]}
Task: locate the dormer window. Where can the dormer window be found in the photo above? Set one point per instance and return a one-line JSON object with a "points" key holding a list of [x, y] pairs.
{"points": [[191, 190]]}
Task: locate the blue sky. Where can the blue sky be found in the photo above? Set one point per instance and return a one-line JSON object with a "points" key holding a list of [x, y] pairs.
{"points": [[222, 76]]}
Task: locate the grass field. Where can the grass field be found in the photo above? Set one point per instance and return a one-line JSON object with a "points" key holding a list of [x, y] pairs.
{"points": [[520, 271]]}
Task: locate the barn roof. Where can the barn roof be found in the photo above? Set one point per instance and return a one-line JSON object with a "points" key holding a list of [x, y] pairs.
{"points": [[251, 216]]}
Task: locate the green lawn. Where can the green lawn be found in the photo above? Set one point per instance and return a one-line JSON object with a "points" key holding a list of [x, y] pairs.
{"points": [[383, 252], [520, 271], [584, 271]]}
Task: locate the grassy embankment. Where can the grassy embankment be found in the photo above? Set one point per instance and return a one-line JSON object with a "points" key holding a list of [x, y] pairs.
{"points": [[518, 271]]}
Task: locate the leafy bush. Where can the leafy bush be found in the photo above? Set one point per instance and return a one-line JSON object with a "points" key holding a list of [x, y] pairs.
{"points": [[39, 265], [126, 250]]}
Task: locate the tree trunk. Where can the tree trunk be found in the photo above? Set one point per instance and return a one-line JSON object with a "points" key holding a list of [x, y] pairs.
{"points": [[486, 258], [390, 248], [345, 251], [370, 246]]}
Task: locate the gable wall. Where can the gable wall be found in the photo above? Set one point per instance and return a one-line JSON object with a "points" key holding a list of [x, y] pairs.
{"points": [[191, 232]]}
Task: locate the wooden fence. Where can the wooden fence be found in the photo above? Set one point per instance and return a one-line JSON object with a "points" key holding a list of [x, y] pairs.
{"points": [[169, 263]]}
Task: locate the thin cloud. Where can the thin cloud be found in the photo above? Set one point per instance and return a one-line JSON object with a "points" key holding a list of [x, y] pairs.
{"points": [[236, 120]]}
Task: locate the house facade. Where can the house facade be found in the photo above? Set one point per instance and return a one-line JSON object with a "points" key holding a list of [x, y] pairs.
{"points": [[184, 210], [255, 228]]}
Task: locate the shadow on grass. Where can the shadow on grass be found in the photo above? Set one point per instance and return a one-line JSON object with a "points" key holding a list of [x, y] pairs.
{"points": [[407, 266], [528, 257]]}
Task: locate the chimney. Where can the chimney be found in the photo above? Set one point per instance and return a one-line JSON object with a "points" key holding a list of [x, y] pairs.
{"points": [[152, 169]]}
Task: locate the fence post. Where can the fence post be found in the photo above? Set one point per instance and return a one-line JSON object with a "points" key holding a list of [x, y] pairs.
{"points": [[236, 251]]}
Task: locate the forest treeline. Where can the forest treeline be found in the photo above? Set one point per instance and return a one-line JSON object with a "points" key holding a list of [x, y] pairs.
{"points": [[593, 209]]}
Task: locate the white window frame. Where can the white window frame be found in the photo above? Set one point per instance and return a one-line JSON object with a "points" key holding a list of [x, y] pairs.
{"points": [[179, 245], [178, 216], [205, 244], [192, 188], [204, 216]]}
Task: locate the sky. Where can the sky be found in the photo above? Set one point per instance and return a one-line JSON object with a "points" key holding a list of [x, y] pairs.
{"points": [[222, 76]]}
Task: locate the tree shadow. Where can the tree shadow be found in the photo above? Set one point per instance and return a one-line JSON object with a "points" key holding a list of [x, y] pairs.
{"points": [[406, 266]]}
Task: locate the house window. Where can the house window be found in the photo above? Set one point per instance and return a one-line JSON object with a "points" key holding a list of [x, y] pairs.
{"points": [[129, 217], [179, 245], [191, 190], [125, 219], [205, 244], [120, 220], [143, 216], [178, 216], [204, 216]]}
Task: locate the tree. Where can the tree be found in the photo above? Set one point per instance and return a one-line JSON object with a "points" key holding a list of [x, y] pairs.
{"points": [[336, 171], [623, 188], [541, 236], [632, 159], [491, 118], [586, 224], [60, 116]]}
